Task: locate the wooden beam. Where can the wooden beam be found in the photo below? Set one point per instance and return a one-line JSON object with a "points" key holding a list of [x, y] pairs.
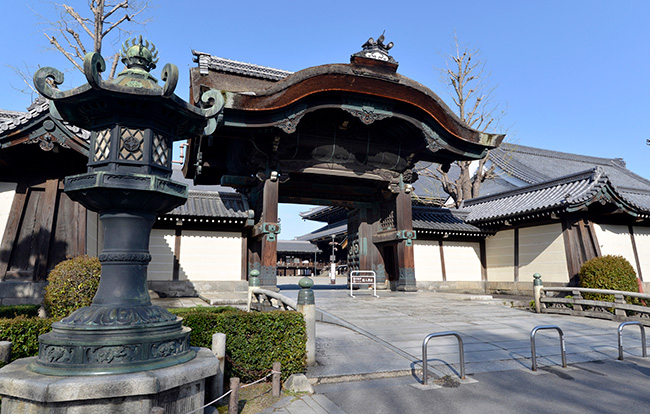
{"points": [[516, 255], [45, 221], [636, 252], [11, 230], [178, 236], [442, 261], [483, 253]]}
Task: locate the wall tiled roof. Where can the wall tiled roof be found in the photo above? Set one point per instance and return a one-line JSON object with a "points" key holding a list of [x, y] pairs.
{"points": [[212, 205], [553, 195], [443, 221]]}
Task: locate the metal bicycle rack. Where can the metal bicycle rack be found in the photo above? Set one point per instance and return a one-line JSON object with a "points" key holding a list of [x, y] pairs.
{"points": [[532, 344], [424, 354], [620, 338]]}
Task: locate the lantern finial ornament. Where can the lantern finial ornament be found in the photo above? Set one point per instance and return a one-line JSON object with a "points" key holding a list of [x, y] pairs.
{"points": [[141, 54]]}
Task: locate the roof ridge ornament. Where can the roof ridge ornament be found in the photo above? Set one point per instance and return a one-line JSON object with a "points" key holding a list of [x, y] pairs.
{"points": [[376, 49]]}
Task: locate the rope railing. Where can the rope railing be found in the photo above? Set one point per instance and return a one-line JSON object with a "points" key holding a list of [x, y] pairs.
{"points": [[275, 372]]}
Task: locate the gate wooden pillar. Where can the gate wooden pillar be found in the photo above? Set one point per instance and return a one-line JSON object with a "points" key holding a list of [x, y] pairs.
{"points": [[405, 235], [363, 254], [262, 247]]}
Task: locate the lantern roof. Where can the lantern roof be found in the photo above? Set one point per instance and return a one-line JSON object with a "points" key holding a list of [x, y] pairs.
{"points": [[133, 96]]}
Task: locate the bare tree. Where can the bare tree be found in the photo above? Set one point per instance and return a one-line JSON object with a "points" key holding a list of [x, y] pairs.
{"points": [[468, 84], [77, 33]]}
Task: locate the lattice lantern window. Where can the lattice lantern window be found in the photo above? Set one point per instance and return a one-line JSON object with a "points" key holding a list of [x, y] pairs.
{"points": [[122, 148]]}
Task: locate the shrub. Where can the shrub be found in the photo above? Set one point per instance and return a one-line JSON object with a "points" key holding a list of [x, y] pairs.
{"points": [[23, 334], [72, 285], [11, 311], [608, 272], [253, 340]]}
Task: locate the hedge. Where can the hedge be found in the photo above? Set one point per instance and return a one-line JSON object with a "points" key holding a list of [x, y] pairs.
{"points": [[254, 341], [608, 272], [11, 311], [23, 334]]}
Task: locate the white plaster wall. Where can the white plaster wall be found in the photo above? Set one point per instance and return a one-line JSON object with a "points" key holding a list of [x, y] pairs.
{"points": [[462, 261], [210, 256], [616, 240], [161, 247], [642, 239], [7, 193], [500, 251], [426, 255], [541, 250]]}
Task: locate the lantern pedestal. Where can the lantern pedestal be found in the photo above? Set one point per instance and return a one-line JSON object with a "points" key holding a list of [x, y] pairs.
{"points": [[178, 389], [121, 331]]}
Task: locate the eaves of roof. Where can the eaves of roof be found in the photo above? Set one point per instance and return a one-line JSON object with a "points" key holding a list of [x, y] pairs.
{"points": [[442, 221], [208, 62], [326, 232], [297, 246], [569, 193], [212, 205]]}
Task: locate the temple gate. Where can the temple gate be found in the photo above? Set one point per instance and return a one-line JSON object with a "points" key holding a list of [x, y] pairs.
{"points": [[338, 134]]}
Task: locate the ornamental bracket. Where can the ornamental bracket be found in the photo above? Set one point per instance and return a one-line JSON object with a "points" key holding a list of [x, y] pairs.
{"points": [[407, 235]]}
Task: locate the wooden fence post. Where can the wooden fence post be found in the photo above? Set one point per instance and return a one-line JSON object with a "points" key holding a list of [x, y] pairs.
{"points": [[233, 405], [276, 378]]}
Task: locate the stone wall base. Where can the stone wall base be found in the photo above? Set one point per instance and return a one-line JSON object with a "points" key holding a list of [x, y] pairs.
{"points": [[478, 287], [19, 292], [178, 389], [186, 288]]}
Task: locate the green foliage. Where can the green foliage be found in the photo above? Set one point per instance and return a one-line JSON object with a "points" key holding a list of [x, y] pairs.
{"points": [[254, 341], [11, 311], [608, 272], [23, 334], [72, 285]]}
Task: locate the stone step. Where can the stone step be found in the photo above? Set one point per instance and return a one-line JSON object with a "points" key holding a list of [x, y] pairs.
{"points": [[237, 299]]}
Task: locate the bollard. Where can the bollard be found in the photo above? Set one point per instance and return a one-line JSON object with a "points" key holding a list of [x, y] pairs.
{"points": [[277, 374], [253, 282], [219, 350], [233, 404], [5, 351], [306, 305], [537, 288]]}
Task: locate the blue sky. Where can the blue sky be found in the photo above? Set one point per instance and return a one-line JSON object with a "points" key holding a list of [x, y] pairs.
{"points": [[575, 75]]}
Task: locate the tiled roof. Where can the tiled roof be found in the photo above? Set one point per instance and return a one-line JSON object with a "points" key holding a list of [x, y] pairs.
{"points": [[325, 214], [553, 195], [208, 62], [443, 221], [535, 165], [8, 116], [39, 107], [212, 205], [297, 246], [337, 229]]}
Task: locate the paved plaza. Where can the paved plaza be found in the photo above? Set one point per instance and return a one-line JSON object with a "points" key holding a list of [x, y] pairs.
{"points": [[373, 365]]}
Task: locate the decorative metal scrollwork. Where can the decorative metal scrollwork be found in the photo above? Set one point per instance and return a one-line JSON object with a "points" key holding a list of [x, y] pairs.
{"points": [[271, 230], [407, 235]]}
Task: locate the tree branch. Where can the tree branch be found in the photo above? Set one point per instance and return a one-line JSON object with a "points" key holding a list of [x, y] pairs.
{"points": [[67, 54]]}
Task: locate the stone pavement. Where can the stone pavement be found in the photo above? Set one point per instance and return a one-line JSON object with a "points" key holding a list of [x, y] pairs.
{"points": [[387, 333]]}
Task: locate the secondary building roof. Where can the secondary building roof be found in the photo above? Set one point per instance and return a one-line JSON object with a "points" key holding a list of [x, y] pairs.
{"points": [[576, 192]]}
